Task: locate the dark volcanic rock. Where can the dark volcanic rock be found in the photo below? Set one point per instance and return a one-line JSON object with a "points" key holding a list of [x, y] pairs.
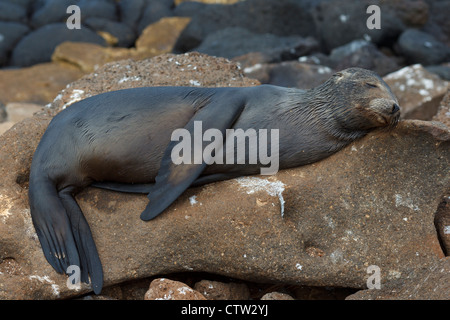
{"points": [[155, 10], [131, 11], [233, 42], [100, 8], [423, 48], [52, 11], [362, 54], [10, 34], [188, 8], [298, 75], [443, 71], [258, 16], [33, 49], [438, 23], [10, 11], [291, 74], [339, 22], [122, 32], [24, 3]]}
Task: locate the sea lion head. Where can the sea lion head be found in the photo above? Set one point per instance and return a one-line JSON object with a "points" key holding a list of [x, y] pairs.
{"points": [[366, 101]]}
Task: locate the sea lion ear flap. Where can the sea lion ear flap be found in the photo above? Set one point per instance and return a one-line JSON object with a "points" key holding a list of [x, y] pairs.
{"points": [[338, 76], [173, 179]]}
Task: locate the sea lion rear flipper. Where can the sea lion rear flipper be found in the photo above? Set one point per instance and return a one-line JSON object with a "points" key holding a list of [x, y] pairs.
{"points": [[52, 226], [90, 263], [172, 179], [63, 232]]}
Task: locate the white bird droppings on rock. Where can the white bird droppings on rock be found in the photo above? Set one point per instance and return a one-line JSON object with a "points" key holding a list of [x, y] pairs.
{"points": [[195, 83], [193, 200], [273, 188], [74, 97]]}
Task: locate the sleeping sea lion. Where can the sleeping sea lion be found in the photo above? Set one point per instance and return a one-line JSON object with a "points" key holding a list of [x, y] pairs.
{"points": [[123, 140]]}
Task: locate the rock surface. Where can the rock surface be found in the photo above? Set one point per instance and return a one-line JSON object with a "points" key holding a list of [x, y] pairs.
{"points": [[54, 34], [373, 203], [421, 47], [443, 113], [214, 290], [38, 84], [10, 34], [234, 42], [442, 222], [418, 91], [438, 23], [433, 283], [340, 22], [362, 54], [120, 34], [88, 57], [51, 11], [276, 296], [154, 10], [5, 126], [166, 289], [42, 82], [12, 12], [20, 111], [442, 219], [178, 2], [292, 74], [161, 36], [258, 16], [190, 69]]}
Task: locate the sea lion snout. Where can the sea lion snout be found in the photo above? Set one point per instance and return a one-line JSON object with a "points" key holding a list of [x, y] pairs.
{"points": [[395, 108], [384, 111]]}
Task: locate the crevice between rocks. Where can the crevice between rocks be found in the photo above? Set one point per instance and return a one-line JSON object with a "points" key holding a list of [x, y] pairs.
{"points": [[135, 289], [442, 224]]}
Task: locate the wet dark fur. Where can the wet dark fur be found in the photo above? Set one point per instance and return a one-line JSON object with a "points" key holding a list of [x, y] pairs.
{"points": [[119, 140]]}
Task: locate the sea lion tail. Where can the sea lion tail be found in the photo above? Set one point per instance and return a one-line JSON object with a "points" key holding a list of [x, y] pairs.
{"points": [[63, 232]]}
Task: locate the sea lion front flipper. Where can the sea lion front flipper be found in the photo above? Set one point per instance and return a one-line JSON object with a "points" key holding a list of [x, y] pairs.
{"points": [[172, 179]]}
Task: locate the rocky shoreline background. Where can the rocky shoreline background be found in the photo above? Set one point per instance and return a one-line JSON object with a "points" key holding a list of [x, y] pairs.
{"points": [[323, 246]]}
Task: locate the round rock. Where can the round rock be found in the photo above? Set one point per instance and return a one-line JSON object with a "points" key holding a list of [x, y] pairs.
{"points": [[421, 47], [32, 49]]}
